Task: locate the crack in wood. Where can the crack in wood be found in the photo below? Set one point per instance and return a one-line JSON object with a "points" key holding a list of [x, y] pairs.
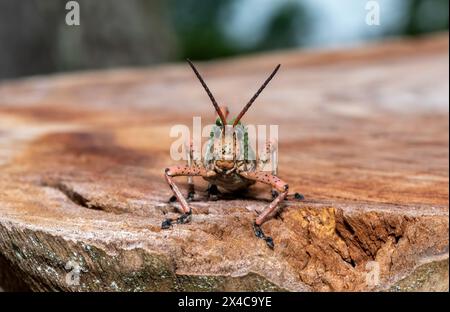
{"points": [[74, 196]]}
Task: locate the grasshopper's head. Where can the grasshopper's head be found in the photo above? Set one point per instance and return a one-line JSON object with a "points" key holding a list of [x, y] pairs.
{"points": [[228, 135], [227, 144]]}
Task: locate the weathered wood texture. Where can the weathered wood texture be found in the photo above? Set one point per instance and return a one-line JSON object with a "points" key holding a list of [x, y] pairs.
{"points": [[363, 135]]}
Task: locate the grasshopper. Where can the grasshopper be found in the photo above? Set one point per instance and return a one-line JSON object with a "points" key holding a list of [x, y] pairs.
{"points": [[229, 163]]}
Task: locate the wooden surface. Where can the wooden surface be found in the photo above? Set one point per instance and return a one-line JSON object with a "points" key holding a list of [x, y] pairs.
{"points": [[363, 135]]}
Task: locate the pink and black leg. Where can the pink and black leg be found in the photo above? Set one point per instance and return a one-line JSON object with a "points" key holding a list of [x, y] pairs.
{"points": [[272, 150], [281, 187], [176, 171], [191, 188], [190, 163]]}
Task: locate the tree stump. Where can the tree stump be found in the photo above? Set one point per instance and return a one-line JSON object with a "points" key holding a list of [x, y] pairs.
{"points": [[363, 134]]}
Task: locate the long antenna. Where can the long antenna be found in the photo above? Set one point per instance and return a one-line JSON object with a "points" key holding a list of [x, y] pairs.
{"points": [[213, 100], [246, 107]]}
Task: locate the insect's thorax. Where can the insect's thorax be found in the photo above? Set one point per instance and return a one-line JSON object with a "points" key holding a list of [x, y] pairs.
{"points": [[230, 182]]}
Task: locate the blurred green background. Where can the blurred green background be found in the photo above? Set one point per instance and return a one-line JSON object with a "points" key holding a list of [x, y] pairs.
{"points": [[34, 38]]}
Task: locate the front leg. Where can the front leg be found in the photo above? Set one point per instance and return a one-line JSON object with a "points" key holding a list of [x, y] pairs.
{"points": [[280, 186], [180, 171]]}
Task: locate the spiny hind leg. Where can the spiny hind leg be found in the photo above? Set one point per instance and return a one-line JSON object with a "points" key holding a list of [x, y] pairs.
{"points": [[272, 150], [174, 172], [189, 163], [268, 162], [281, 187]]}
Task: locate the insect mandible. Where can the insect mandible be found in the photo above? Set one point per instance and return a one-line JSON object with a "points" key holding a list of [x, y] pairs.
{"points": [[228, 163]]}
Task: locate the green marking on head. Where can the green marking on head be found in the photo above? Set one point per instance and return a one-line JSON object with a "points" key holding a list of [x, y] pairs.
{"points": [[230, 122]]}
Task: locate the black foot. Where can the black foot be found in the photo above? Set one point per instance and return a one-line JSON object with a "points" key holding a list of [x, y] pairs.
{"points": [[184, 218], [172, 199], [260, 234], [166, 224], [299, 196], [213, 192], [269, 242]]}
